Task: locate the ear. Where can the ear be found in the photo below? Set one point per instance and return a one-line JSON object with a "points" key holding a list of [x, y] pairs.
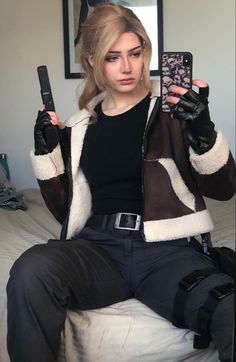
{"points": [[91, 60]]}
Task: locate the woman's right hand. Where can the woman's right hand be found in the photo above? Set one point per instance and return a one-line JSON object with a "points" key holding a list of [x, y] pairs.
{"points": [[46, 132]]}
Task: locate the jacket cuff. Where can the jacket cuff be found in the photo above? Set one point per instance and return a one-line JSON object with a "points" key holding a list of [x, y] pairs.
{"points": [[212, 160], [49, 165]]}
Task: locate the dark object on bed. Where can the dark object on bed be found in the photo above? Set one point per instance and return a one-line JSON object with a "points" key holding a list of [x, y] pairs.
{"points": [[10, 199]]}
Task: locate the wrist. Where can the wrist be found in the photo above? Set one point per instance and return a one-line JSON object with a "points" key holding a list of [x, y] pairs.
{"points": [[202, 144], [39, 151]]}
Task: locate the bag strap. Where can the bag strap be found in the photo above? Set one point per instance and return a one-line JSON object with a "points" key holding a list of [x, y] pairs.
{"points": [[206, 242]]}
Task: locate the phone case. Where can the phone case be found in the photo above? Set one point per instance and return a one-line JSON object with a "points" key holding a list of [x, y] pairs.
{"points": [[176, 68]]}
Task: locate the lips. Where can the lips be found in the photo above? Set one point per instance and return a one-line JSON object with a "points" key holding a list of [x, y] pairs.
{"points": [[126, 81]]}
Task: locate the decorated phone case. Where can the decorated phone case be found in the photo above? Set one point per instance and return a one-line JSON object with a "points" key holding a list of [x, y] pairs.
{"points": [[176, 68]]}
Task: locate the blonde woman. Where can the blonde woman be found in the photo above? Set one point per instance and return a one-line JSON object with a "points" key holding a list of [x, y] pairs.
{"points": [[127, 182]]}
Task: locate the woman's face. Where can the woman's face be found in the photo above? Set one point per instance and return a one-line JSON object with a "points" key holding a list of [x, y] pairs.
{"points": [[123, 64]]}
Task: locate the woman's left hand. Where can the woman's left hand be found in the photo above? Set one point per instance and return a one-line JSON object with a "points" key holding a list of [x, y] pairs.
{"points": [[192, 107], [55, 120]]}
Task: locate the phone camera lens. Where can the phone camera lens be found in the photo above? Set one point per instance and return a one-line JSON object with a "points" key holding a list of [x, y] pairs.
{"points": [[186, 60]]}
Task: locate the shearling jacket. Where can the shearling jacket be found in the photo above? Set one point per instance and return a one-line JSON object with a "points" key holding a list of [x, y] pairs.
{"points": [[175, 178]]}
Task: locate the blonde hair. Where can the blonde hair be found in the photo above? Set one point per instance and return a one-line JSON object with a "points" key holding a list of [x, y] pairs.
{"points": [[99, 32]]}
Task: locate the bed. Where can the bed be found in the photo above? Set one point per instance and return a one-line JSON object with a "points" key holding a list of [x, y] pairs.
{"points": [[126, 331]]}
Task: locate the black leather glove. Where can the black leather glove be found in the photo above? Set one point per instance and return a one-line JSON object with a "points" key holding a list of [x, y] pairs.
{"points": [[46, 135], [193, 109]]}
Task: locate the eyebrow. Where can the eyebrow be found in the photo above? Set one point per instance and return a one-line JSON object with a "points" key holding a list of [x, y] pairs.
{"points": [[118, 52]]}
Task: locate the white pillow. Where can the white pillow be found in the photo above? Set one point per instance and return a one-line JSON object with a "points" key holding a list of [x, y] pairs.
{"points": [[128, 332]]}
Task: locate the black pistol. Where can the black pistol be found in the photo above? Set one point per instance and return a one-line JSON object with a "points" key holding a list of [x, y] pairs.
{"points": [[46, 92]]}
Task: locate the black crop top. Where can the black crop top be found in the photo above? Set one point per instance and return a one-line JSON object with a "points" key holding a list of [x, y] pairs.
{"points": [[112, 159]]}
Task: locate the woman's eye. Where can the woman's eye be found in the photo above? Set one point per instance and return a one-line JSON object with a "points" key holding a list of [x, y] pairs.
{"points": [[111, 58], [135, 54]]}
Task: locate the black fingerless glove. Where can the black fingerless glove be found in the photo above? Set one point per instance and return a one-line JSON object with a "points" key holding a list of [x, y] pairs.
{"points": [[193, 109], [46, 135]]}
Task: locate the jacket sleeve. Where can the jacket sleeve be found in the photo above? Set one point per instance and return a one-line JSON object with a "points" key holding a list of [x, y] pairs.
{"points": [[54, 192], [215, 170], [50, 172]]}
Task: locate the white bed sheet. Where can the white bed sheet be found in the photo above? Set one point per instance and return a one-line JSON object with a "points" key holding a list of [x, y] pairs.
{"points": [[19, 230], [127, 331]]}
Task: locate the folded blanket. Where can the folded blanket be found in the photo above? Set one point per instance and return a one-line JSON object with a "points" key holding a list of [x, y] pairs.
{"points": [[9, 198]]}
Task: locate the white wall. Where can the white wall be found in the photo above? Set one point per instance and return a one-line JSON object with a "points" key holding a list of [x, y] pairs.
{"points": [[207, 29], [31, 33]]}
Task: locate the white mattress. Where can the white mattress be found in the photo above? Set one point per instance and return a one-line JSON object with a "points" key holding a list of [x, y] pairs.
{"points": [[126, 331]]}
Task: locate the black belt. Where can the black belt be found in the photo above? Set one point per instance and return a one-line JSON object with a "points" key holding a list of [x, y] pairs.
{"points": [[118, 221]]}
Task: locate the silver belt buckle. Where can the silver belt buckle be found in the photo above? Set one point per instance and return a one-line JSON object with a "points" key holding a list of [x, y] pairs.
{"points": [[118, 219]]}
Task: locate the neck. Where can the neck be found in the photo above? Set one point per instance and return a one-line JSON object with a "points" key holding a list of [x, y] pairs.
{"points": [[116, 102]]}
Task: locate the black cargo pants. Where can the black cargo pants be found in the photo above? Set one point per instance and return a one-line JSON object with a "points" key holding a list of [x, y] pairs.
{"points": [[98, 269]]}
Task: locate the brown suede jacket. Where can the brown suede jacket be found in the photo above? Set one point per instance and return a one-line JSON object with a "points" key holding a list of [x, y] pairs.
{"points": [[175, 178]]}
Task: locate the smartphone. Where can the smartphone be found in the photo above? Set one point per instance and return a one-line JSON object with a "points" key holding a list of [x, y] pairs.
{"points": [[46, 92], [176, 69]]}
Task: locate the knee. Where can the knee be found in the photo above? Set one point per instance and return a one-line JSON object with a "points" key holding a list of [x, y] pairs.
{"points": [[26, 270]]}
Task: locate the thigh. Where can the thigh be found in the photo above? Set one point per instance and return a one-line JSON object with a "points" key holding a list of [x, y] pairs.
{"points": [[159, 287], [87, 275]]}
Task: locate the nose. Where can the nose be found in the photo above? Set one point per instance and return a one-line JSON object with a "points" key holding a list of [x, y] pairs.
{"points": [[125, 65]]}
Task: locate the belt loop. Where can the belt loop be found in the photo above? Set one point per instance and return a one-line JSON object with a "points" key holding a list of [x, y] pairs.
{"points": [[104, 222]]}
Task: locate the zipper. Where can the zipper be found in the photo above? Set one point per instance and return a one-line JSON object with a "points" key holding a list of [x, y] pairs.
{"points": [[70, 192], [150, 122]]}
